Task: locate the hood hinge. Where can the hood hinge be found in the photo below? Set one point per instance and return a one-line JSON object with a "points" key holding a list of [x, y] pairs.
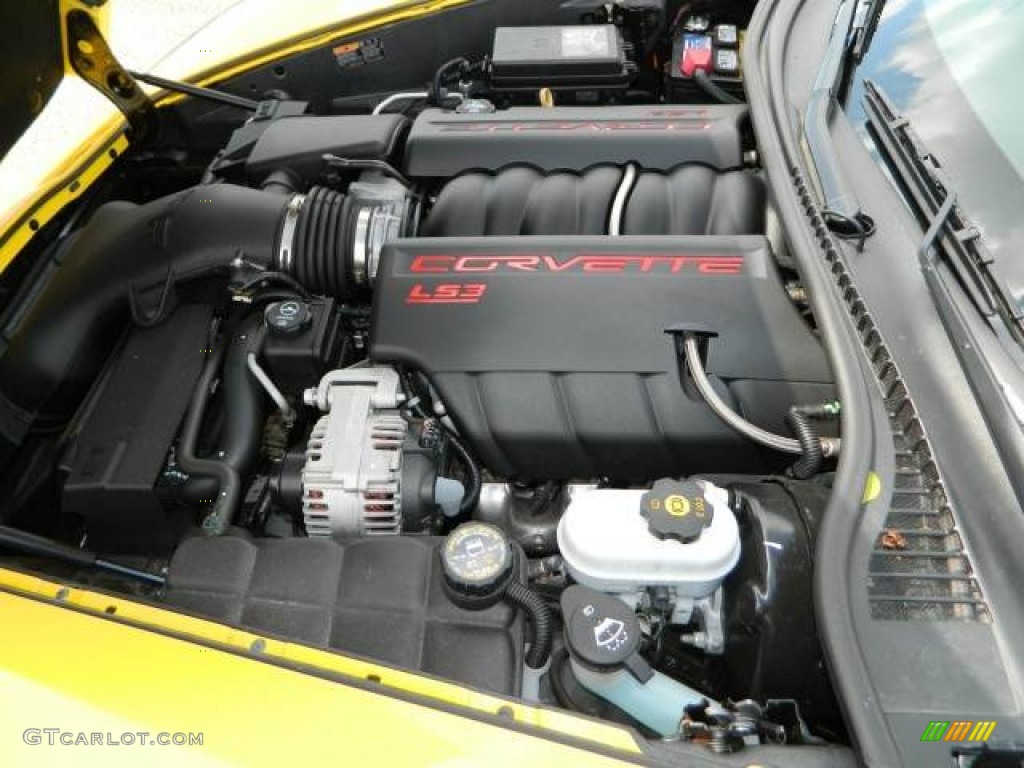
{"points": [[92, 59]]}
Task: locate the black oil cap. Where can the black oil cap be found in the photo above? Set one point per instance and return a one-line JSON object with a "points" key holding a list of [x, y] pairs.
{"points": [[477, 563], [676, 509], [285, 318], [602, 632]]}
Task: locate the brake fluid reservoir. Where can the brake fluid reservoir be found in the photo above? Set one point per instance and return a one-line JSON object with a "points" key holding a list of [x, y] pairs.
{"points": [[681, 535]]}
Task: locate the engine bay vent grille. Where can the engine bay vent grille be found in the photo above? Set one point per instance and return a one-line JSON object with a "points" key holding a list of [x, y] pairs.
{"points": [[919, 569]]}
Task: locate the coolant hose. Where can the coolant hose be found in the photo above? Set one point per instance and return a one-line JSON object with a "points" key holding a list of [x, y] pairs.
{"points": [[229, 483], [540, 617], [812, 455], [243, 409]]}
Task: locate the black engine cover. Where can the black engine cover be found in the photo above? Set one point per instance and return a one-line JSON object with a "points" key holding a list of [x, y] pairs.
{"points": [[550, 353]]}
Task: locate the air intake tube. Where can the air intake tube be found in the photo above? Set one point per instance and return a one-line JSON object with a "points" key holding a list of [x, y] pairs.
{"points": [[129, 259]]}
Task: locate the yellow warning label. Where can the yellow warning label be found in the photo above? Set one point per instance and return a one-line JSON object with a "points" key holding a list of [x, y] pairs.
{"points": [[677, 506]]}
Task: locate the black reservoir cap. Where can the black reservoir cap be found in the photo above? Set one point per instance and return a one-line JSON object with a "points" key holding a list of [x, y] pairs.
{"points": [[676, 509], [477, 563], [602, 632]]}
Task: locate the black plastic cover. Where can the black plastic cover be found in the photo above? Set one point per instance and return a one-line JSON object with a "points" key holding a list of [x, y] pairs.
{"points": [[520, 200], [381, 598], [299, 143], [530, 58], [445, 144], [550, 353], [120, 440]]}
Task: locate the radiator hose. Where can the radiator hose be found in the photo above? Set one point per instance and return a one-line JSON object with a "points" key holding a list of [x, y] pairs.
{"points": [[229, 483], [243, 407]]}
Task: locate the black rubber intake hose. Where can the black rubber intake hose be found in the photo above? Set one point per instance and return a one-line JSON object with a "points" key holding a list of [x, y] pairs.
{"points": [[540, 617], [243, 407], [323, 246], [67, 333], [812, 455]]}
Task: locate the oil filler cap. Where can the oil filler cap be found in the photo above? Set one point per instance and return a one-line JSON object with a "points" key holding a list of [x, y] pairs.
{"points": [[676, 509], [285, 318]]}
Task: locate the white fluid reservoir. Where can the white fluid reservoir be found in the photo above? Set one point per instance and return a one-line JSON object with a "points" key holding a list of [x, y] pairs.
{"points": [[679, 534]]}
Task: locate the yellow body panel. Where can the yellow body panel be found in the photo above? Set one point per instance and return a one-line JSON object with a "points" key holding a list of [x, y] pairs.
{"points": [[99, 667]]}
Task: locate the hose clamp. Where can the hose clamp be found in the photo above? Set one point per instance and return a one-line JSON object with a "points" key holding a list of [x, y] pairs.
{"points": [[360, 255], [286, 250]]}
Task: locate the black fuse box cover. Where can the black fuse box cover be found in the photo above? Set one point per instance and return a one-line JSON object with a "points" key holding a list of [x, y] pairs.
{"points": [[590, 56]]}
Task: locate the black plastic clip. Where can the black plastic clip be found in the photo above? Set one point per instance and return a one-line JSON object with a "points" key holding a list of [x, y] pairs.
{"points": [[147, 316]]}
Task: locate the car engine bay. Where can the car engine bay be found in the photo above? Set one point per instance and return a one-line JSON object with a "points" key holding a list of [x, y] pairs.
{"points": [[509, 381]]}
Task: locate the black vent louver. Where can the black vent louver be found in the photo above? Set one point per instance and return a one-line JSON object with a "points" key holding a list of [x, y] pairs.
{"points": [[919, 569]]}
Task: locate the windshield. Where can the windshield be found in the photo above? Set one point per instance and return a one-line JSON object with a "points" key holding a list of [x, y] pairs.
{"points": [[953, 68]]}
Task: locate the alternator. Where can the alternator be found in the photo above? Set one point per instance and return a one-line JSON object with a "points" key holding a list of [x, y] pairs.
{"points": [[352, 478]]}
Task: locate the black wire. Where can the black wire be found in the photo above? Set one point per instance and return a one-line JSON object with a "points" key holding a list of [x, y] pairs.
{"points": [[809, 463], [474, 475], [712, 89], [274, 277], [439, 74], [541, 618]]}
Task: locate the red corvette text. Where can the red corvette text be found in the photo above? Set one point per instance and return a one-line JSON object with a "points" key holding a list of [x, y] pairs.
{"points": [[603, 263]]}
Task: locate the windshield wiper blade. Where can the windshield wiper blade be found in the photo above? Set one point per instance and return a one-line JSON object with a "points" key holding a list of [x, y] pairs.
{"points": [[949, 233]]}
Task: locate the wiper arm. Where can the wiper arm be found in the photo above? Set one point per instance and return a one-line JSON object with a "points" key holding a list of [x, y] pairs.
{"points": [[865, 23], [851, 31], [949, 233]]}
